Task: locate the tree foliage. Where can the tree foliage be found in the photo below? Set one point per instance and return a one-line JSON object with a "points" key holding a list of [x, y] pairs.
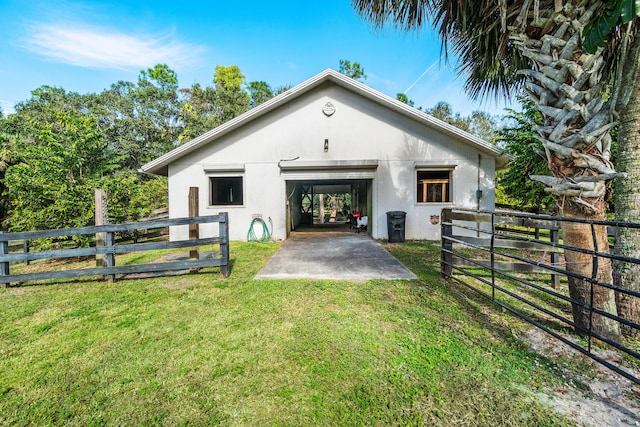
{"points": [[520, 142], [204, 108], [261, 91], [197, 111], [479, 123], [51, 186], [133, 196], [405, 99], [352, 69], [615, 14], [59, 146], [231, 96], [8, 155], [444, 111], [140, 120]]}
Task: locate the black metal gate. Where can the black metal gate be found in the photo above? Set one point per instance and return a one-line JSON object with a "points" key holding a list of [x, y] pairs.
{"points": [[517, 261]]}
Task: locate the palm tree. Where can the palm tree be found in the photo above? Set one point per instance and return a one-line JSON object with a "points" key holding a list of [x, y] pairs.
{"points": [[618, 26], [536, 46]]}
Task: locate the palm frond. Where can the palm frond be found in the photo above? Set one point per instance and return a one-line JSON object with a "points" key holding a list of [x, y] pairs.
{"points": [[407, 15]]}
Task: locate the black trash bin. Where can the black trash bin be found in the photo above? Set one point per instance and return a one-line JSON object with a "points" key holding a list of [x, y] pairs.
{"points": [[395, 226]]}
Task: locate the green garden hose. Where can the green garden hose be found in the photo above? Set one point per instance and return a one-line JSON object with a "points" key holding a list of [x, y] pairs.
{"points": [[251, 235]]}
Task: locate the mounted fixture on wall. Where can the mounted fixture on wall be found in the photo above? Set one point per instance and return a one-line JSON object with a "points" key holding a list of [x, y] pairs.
{"points": [[328, 109], [326, 145]]}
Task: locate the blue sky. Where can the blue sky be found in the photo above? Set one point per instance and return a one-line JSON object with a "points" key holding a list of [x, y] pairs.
{"points": [[87, 46]]}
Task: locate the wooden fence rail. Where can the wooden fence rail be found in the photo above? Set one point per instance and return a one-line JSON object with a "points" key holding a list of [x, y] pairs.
{"points": [[507, 257], [110, 249], [143, 234]]}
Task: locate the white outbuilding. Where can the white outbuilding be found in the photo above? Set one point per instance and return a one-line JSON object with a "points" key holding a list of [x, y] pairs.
{"points": [[330, 135]]}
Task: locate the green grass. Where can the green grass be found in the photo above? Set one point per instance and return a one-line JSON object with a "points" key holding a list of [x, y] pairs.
{"points": [[201, 350]]}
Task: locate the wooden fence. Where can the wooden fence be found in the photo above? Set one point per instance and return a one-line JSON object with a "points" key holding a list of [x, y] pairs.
{"points": [[110, 249], [132, 236], [516, 260]]}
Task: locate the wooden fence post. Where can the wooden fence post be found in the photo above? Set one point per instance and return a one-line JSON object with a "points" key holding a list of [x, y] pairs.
{"points": [[446, 230], [25, 249], [111, 255], [554, 235], [224, 244], [4, 266], [102, 217], [194, 230]]}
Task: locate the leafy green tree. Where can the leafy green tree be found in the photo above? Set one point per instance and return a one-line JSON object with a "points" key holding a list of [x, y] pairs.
{"points": [[131, 197], [519, 141], [20, 136], [197, 111], [52, 185], [484, 125], [59, 146], [444, 111], [260, 92], [8, 157], [231, 97], [404, 98], [45, 104], [353, 70], [55, 151], [141, 120], [206, 108], [479, 123]]}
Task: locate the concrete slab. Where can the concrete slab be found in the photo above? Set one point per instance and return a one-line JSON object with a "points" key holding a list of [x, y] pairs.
{"points": [[333, 255]]}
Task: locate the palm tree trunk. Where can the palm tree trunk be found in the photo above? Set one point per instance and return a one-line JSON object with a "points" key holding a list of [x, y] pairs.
{"points": [[583, 291], [568, 87], [627, 198]]}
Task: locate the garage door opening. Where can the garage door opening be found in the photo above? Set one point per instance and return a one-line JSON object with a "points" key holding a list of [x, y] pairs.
{"points": [[318, 205]]}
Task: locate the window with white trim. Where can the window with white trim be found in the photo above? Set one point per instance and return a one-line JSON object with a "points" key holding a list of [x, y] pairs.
{"points": [[433, 186], [226, 190]]}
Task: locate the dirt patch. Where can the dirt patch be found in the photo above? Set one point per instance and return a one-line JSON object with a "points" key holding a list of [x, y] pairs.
{"points": [[178, 284], [15, 291], [606, 399]]}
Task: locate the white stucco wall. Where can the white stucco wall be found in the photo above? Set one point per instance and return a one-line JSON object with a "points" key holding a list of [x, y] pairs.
{"points": [[358, 130]]}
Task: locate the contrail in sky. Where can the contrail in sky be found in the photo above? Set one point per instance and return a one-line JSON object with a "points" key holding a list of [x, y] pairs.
{"points": [[421, 76]]}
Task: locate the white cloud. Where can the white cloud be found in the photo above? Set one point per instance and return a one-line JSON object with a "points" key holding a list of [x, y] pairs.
{"points": [[7, 107], [96, 47]]}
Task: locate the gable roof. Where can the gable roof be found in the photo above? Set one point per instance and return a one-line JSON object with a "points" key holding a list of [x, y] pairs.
{"points": [[160, 165]]}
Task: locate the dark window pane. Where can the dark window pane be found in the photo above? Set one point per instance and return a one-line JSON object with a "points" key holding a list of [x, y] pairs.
{"points": [[226, 190]]}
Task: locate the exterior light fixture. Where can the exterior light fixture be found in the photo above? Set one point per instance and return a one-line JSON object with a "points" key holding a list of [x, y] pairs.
{"points": [[326, 145]]}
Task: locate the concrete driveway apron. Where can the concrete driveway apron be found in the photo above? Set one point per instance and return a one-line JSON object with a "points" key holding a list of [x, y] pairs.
{"points": [[334, 256]]}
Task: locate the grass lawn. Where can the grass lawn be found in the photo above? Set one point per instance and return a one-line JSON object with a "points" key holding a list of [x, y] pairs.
{"points": [[200, 350]]}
